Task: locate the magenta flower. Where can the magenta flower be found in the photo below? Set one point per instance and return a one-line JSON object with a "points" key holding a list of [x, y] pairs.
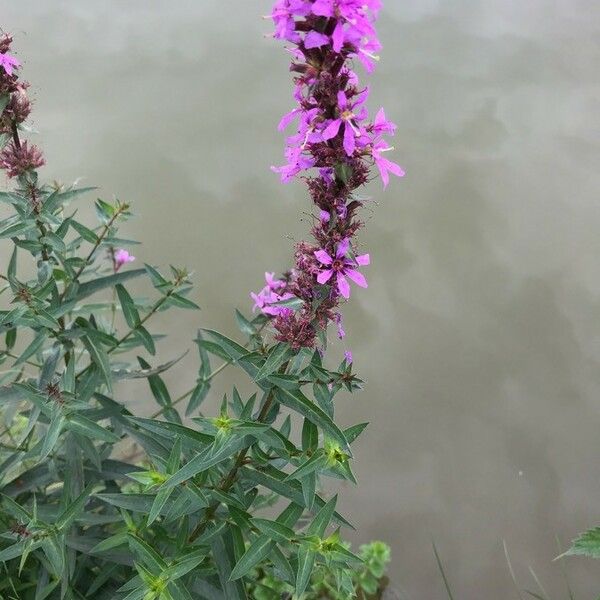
{"points": [[8, 63], [266, 300], [348, 119], [341, 266], [381, 125], [122, 257], [348, 357], [384, 165]]}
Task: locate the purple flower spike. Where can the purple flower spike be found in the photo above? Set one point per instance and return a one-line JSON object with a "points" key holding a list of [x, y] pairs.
{"points": [[334, 146], [341, 266]]}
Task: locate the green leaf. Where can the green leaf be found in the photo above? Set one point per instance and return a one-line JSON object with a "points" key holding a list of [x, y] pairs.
{"points": [[231, 348], [67, 517], [134, 502], [18, 549], [86, 427], [316, 462], [130, 312], [144, 336], [222, 552], [159, 390], [159, 502], [181, 302], [198, 440], [51, 436], [587, 544], [14, 509], [114, 541], [54, 241], [206, 459], [245, 326], [306, 564], [275, 530], [146, 372], [184, 565], [32, 348], [16, 229], [57, 199], [99, 357], [146, 553], [258, 551], [95, 285], [278, 355], [310, 435], [198, 396], [275, 481], [353, 432], [104, 211], [297, 401], [322, 518], [158, 281], [87, 234]]}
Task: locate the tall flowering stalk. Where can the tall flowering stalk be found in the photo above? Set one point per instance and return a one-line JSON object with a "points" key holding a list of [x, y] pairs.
{"points": [[84, 515], [334, 147]]}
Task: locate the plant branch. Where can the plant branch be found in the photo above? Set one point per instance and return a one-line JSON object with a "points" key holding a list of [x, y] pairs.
{"points": [[229, 479], [41, 227], [90, 255]]}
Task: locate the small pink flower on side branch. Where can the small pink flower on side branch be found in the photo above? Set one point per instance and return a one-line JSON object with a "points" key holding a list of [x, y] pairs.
{"points": [[122, 257]]}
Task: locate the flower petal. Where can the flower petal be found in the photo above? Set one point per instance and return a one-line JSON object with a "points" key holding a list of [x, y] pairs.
{"points": [[287, 119], [323, 257], [342, 248], [332, 129], [338, 37], [324, 276], [363, 259], [314, 39], [343, 286], [357, 277], [349, 139], [323, 8]]}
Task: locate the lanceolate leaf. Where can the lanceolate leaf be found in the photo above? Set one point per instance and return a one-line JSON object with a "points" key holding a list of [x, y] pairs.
{"points": [[130, 312], [587, 544], [274, 480], [95, 285], [306, 563], [206, 459], [297, 401], [278, 355]]}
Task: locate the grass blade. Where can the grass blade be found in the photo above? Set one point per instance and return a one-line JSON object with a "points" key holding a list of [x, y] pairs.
{"points": [[441, 568], [510, 570]]}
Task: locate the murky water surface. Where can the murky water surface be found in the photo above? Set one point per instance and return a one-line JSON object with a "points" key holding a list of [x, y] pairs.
{"points": [[480, 333]]}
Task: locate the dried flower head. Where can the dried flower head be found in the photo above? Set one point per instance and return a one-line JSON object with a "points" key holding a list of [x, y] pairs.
{"points": [[17, 159]]}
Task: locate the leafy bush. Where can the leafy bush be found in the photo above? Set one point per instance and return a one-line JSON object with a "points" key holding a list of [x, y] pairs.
{"points": [[97, 501]]}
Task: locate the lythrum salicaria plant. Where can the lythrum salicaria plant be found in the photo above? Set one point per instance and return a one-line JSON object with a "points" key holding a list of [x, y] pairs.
{"points": [[206, 507]]}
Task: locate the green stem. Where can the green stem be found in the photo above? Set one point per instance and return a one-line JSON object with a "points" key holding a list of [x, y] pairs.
{"points": [[41, 227], [91, 253], [229, 479]]}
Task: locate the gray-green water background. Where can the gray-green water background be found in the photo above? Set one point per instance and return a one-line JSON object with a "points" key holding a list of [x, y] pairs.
{"points": [[479, 335]]}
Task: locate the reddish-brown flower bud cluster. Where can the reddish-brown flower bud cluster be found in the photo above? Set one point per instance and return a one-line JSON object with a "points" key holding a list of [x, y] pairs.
{"points": [[16, 158]]}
